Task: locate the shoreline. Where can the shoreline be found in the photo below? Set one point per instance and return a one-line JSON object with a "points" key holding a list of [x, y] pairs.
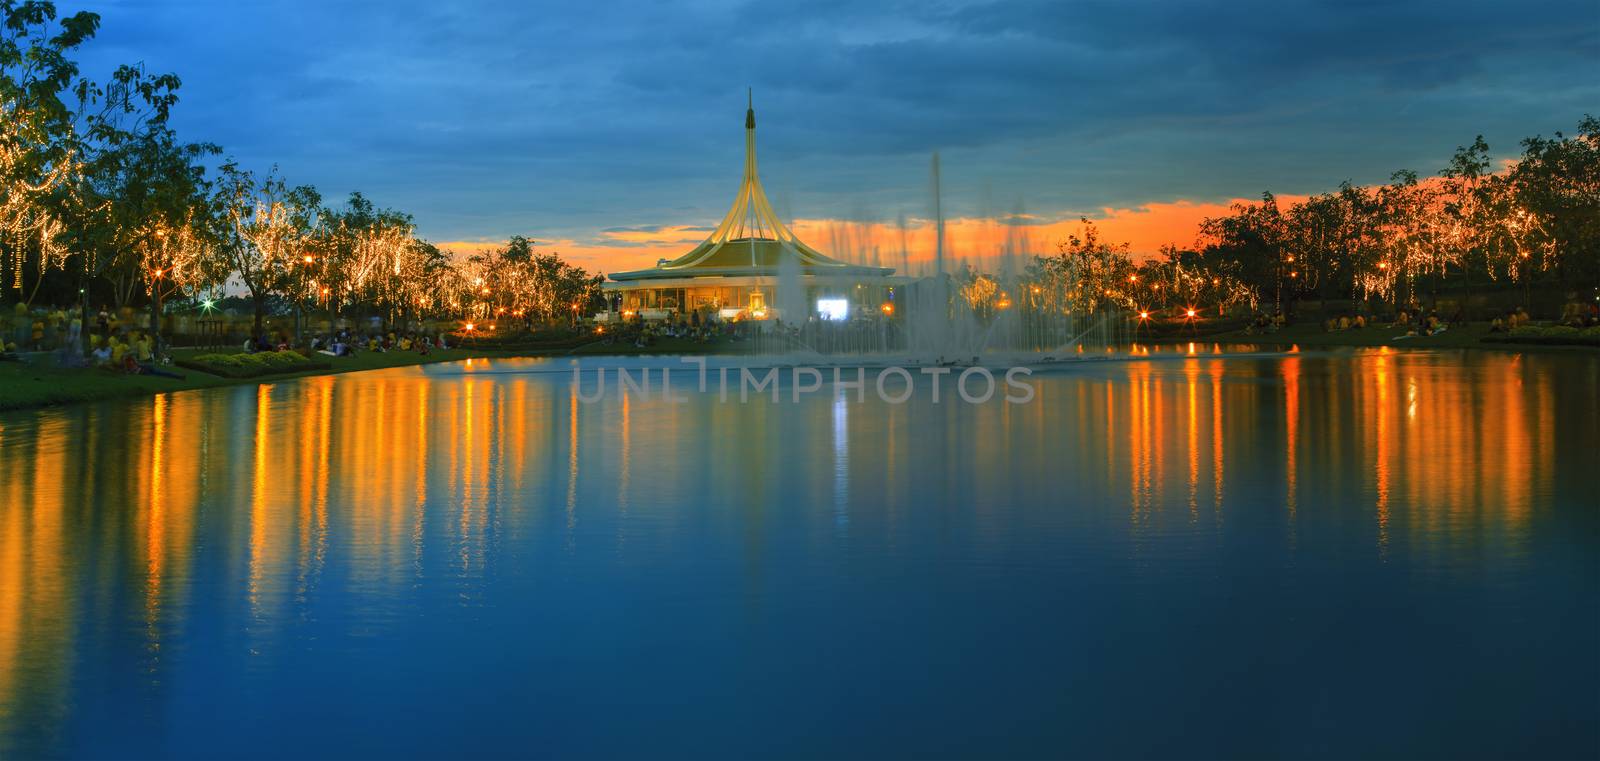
{"points": [[27, 386], [1309, 335]]}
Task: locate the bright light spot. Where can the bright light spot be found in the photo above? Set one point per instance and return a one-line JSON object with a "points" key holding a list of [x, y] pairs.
{"points": [[833, 309], [1189, 312], [887, 308]]}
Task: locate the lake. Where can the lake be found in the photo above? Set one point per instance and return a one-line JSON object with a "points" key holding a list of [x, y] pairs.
{"points": [[1335, 554]]}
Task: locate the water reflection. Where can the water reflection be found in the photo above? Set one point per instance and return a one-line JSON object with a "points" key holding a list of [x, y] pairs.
{"points": [[236, 535]]}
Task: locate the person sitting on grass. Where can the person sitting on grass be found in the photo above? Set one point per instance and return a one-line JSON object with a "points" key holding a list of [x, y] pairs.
{"points": [[1434, 326], [102, 356], [149, 364], [142, 349], [1572, 314]]}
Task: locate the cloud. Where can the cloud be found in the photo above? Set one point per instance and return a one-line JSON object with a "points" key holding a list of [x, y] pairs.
{"points": [[596, 121]]}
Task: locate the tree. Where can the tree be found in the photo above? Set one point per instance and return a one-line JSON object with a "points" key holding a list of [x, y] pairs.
{"points": [[263, 227], [132, 168], [1467, 209], [38, 151], [1556, 191], [1250, 243]]}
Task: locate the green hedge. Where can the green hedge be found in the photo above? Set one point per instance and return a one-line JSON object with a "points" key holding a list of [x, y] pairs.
{"points": [[1556, 335], [253, 365]]}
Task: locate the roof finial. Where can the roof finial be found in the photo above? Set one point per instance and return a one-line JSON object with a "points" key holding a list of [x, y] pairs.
{"points": [[750, 114]]}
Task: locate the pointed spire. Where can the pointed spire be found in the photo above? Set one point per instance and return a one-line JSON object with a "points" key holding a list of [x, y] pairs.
{"points": [[751, 221]]}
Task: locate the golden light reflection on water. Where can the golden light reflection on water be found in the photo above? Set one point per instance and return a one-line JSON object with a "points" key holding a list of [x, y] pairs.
{"points": [[365, 478]]}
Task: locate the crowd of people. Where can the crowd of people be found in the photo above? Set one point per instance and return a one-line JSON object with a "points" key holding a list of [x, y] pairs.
{"points": [[1577, 314], [1509, 321], [642, 334], [343, 343]]}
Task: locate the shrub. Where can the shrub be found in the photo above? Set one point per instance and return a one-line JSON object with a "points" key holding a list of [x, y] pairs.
{"points": [[252, 365], [1556, 335]]}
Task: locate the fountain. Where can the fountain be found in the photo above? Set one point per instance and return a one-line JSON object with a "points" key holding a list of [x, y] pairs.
{"points": [[956, 313]]}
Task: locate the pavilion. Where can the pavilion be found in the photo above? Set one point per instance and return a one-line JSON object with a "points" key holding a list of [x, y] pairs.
{"points": [[737, 272]]}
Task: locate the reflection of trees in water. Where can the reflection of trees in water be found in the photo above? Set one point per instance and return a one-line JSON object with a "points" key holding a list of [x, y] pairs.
{"points": [[361, 491]]}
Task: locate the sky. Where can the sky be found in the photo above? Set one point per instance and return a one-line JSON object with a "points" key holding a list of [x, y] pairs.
{"points": [[612, 132]]}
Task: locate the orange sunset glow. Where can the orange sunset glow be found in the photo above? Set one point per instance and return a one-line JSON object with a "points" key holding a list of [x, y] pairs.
{"points": [[1146, 229]]}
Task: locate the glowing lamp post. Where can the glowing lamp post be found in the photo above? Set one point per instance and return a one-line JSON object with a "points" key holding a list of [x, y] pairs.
{"points": [[299, 299], [155, 309]]}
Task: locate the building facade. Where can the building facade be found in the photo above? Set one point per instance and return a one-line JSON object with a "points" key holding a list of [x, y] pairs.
{"points": [[748, 265]]}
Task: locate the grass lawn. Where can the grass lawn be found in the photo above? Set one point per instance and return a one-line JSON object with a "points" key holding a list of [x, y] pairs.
{"points": [[40, 383]]}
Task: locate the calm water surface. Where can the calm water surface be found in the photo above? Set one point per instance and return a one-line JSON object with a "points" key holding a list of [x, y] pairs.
{"points": [[1334, 554]]}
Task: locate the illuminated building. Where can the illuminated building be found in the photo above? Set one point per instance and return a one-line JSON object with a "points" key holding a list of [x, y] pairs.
{"points": [[738, 271]]}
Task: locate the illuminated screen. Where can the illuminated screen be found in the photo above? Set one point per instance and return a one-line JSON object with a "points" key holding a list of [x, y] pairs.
{"points": [[833, 309]]}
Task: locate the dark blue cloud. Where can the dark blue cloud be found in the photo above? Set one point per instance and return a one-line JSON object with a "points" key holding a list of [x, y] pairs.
{"points": [[562, 120]]}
